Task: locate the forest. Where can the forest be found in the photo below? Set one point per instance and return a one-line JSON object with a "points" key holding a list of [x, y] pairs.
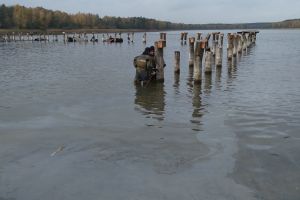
{"points": [[20, 17]]}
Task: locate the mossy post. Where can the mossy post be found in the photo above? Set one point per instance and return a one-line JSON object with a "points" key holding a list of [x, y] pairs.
{"points": [[177, 62], [159, 58], [191, 51]]}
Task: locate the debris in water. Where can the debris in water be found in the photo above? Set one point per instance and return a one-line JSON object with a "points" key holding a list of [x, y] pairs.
{"points": [[61, 148]]}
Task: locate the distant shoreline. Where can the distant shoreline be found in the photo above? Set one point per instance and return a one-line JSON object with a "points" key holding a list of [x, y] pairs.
{"points": [[59, 31], [56, 31]]}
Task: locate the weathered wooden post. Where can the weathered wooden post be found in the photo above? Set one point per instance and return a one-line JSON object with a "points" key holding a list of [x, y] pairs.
{"points": [[64, 36], [144, 38], [214, 42], [163, 36], [208, 61], [219, 56], [181, 37], [221, 39], [159, 58], [230, 38], [14, 37], [132, 37], [185, 36], [235, 45], [177, 62], [198, 35], [199, 50], [248, 39], [244, 41], [191, 51], [240, 44], [207, 40]]}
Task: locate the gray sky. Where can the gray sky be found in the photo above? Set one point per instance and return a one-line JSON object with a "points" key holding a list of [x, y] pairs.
{"points": [[186, 11]]}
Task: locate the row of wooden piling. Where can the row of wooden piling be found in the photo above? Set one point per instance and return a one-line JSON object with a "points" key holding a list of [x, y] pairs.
{"points": [[205, 50], [67, 37]]}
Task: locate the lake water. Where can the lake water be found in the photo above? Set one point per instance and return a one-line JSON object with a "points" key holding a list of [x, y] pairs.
{"points": [[234, 137]]}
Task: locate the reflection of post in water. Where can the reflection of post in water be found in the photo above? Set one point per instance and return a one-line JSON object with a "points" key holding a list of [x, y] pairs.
{"points": [[207, 83], [232, 69], [190, 78], [176, 82], [150, 100], [197, 106], [218, 77]]}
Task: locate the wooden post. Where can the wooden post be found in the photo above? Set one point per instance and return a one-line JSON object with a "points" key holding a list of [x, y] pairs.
{"points": [[235, 45], [132, 37], [199, 50], [244, 41], [230, 46], [240, 44], [145, 38], [219, 56], [213, 44], [208, 61], [191, 51], [159, 58], [177, 62], [221, 39], [199, 36], [181, 36], [185, 36], [163, 36], [248, 40]]}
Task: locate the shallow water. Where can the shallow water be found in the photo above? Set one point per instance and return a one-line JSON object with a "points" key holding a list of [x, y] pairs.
{"points": [[245, 115]]}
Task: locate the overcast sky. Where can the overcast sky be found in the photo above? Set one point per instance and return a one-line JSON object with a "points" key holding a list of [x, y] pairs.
{"points": [[186, 11]]}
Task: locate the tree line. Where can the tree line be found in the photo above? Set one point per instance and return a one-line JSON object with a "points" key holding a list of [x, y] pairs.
{"points": [[20, 17]]}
